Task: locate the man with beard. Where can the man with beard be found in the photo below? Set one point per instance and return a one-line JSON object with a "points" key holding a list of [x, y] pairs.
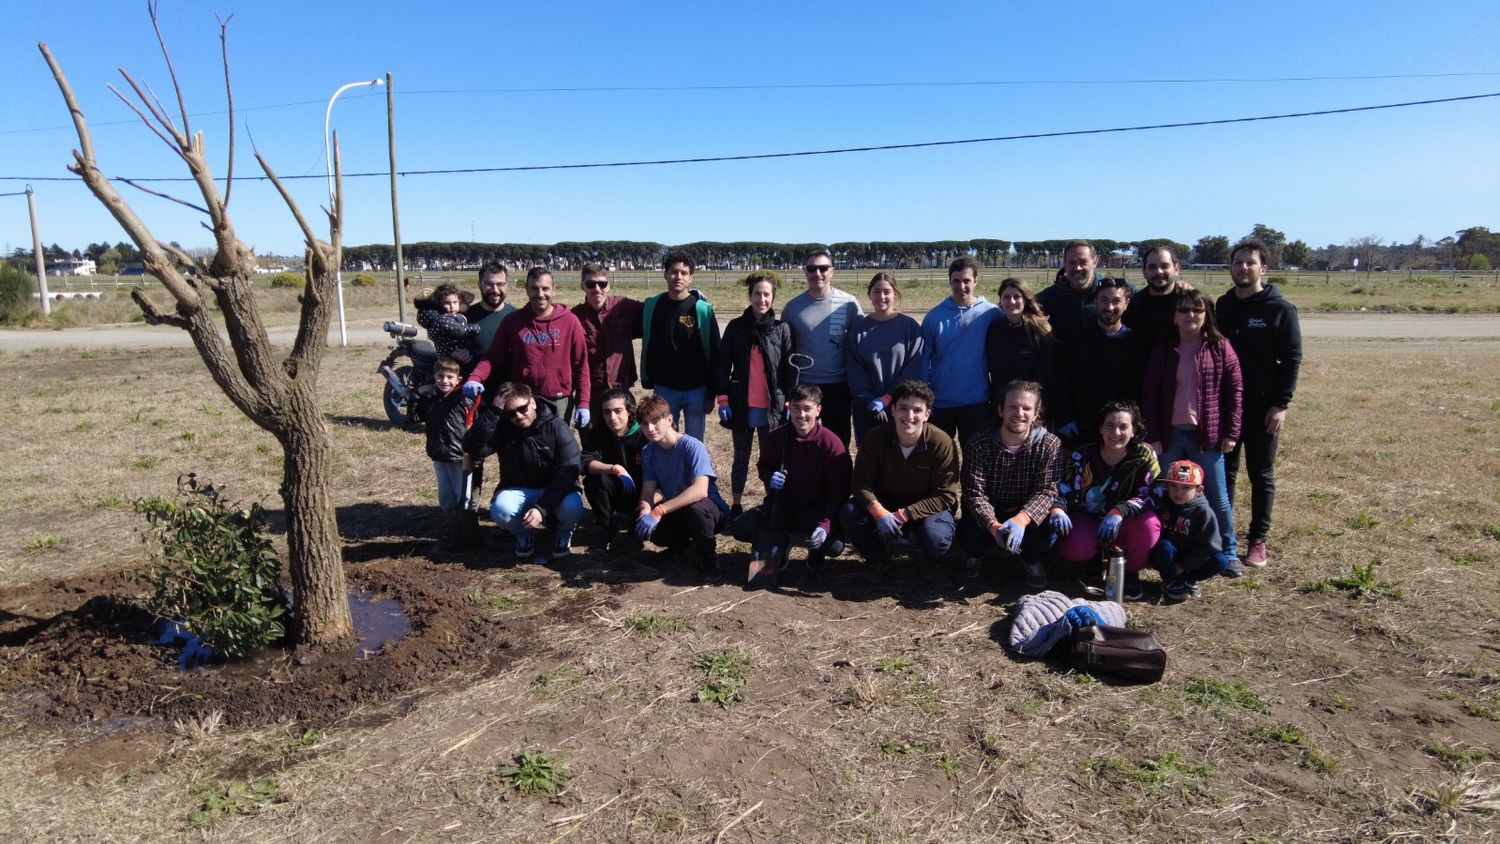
{"points": [[1263, 328], [1069, 302], [1103, 361], [542, 347], [610, 324], [490, 308], [1150, 312]]}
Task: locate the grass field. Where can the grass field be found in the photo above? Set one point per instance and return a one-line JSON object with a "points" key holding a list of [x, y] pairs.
{"points": [[1349, 692]]}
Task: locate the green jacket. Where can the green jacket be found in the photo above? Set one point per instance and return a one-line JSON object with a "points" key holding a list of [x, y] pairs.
{"points": [[706, 330]]}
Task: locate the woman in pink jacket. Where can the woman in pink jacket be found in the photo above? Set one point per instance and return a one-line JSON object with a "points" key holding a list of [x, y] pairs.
{"points": [[1191, 398]]}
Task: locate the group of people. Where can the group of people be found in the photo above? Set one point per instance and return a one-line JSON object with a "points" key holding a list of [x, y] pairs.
{"points": [[1036, 428]]}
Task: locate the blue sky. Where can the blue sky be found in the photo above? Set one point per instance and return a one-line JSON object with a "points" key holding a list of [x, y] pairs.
{"points": [[468, 78]]}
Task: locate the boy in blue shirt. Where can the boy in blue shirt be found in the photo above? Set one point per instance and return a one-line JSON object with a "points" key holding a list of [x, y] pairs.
{"points": [[679, 504]]}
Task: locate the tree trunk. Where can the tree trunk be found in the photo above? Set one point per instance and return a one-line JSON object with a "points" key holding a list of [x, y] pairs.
{"points": [[322, 618]]}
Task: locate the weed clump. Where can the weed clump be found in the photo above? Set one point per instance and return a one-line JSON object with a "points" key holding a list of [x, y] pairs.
{"points": [[725, 672], [218, 579], [1217, 694], [534, 772], [239, 798], [1358, 581]]}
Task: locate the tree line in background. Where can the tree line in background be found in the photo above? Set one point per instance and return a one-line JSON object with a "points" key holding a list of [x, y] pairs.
{"points": [[1474, 249]]}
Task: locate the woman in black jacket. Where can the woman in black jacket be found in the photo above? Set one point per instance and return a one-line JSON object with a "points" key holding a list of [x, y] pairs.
{"points": [[1021, 346], [753, 374]]}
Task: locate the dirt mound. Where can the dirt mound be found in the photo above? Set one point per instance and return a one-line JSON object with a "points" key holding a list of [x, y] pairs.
{"points": [[85, 650]]}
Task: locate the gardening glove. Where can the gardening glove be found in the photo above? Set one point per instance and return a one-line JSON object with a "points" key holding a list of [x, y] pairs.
{"points": [[472, 389], [1081, 616], [581, 417], [725, 413], [890, 524], [1009, 535], [647, 523], [875, 406], [1068, 431], [1110, 527], [778, 480], [1060, 522], [818, 537], [627, 483]]}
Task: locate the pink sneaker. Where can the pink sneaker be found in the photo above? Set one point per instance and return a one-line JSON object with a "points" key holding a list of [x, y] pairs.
{"points": [[1257, 556]]}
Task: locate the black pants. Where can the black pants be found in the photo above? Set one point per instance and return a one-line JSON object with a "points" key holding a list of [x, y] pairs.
{"points": [[1259, 448], [613, 508], [976, 541], [694, 525], [836, 409], [799, 521], [962, 422]]}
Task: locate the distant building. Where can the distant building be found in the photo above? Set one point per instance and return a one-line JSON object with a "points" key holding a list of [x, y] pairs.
{"points": [[73, 266]]}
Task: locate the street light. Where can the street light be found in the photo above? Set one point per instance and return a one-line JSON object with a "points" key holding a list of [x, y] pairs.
{"points": [[338, 273]]}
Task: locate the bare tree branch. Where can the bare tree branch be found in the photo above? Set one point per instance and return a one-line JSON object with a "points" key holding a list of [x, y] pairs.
{"points": [[161, 109], [179, 141], [228, 95], [291, 204], [151, 7], [165, 196], [144, 119], [155, 315]]}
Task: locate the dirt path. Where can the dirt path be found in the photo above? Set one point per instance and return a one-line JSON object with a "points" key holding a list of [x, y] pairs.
{"points": [[368, 333]]}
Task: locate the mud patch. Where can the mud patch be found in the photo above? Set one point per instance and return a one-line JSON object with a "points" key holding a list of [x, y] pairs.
{"points": [[84, 651]]}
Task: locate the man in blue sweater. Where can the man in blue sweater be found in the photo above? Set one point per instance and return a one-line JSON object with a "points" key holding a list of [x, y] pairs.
{"points": [[953, 333]]}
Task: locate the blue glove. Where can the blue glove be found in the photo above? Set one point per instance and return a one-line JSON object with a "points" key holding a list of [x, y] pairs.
{"points": [[581, 417], [1110, 527], [777, 481], [889, 525], [725, 413], [818, 537], [1068, 431], [627, 483], [875, 406], [645, 524], [1081, 616], [1009, 535], [472, 389], [1060, 522]]}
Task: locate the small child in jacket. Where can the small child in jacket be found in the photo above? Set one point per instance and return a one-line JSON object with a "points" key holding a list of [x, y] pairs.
{"points": [[447, 327], [1189, 550], [447, 420]]}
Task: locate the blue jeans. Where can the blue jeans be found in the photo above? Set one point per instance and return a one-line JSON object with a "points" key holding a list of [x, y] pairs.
{"points": [[1183, 444], [687, 404], [511, 502], [450, 481], [931, 536]]}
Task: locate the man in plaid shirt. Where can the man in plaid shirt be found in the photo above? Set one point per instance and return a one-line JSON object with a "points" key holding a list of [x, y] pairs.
{"points": [[1009, 484]]}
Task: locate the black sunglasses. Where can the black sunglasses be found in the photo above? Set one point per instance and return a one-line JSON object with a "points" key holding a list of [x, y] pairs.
{"points": [[595, 285], [819, 268], [518, 409]]}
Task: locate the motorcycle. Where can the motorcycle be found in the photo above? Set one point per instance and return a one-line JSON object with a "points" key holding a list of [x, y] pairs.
{"points": [[403, 404]]}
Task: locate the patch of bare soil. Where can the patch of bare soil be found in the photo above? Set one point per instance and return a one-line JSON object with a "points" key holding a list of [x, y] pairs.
{"points": [[85, 650]]}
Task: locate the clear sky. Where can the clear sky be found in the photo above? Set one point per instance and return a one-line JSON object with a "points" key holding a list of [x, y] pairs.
{"points": [[480, 84]]}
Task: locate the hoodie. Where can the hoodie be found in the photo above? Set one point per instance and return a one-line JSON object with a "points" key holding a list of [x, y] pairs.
{"points": [[547, 354], [1265, 334], [954, 336]]}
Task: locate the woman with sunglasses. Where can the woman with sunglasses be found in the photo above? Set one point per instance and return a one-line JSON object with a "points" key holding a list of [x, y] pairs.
{"points": [[1191, 398], [883, 349], [754, 372]]}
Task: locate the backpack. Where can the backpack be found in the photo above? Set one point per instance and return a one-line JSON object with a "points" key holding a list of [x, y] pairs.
{"points": [[1132, 655]]}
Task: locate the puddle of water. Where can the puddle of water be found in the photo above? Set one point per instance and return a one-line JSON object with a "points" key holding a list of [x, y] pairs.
{"points": [[377, 621]]}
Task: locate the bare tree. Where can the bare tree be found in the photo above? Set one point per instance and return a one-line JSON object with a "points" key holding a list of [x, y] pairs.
{"points": [[279, 395]]}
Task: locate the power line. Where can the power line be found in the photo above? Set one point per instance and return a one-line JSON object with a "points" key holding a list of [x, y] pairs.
{"points": [[815, 86], [839, 151]]}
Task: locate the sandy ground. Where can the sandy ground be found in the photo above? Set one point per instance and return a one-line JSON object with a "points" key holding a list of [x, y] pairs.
{"points": [[366, 332]]}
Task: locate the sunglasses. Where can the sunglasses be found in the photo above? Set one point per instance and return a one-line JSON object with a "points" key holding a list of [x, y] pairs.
{"points": [[596, 285], [819, 268], [517, 410], [1191, 310]]}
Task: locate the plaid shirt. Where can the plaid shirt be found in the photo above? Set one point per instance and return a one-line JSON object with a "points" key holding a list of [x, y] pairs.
{"points": [[997, 484]]}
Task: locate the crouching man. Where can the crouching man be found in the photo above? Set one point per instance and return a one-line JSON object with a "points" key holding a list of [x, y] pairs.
{"points": [[905, 483], [539, 466], [678, 505], [806, 469], [612, 462], [1010, 484]]}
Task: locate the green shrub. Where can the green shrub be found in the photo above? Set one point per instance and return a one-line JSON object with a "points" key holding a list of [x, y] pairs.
{"points": [[288, 280], [218, 579], [16, 288], [363, 280]]}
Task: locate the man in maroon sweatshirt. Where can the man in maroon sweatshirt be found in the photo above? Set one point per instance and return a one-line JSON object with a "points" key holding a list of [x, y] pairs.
{"points": [[611, 324], [541, 346]]}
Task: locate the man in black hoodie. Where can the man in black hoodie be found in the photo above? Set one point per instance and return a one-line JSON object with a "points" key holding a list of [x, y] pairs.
{"points": [[612, 471], [539, 466], [1262, 327]]}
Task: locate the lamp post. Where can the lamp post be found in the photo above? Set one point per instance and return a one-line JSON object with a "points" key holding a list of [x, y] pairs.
{"points": [[338, 273]]}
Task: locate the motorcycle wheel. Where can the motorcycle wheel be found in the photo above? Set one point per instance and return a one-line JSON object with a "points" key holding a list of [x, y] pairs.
{"points": [[395, 405]]}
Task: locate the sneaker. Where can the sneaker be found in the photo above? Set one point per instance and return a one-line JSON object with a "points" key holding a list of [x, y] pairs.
{"points": [[1176, 591], [562, 547], [1257, 556], [1134, 590], [832, 548], [968, 568], [1232, 569], [1036, 575], [735, 512], [524, 546]]}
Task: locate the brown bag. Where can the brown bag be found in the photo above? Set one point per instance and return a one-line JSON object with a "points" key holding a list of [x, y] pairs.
{"points": [[1118, 652]]}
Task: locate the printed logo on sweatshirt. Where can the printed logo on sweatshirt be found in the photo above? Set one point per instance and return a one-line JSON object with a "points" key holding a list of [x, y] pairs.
{"points": [[688, 321], [533, 337], [1255, 322]]}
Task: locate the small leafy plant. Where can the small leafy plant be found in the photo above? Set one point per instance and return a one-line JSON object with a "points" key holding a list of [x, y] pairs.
{"points": [[534, 772], [651, 623], [725, 674], [218, 578], [1217, 694], [237, 798], [45, 542], [1358, 581]]}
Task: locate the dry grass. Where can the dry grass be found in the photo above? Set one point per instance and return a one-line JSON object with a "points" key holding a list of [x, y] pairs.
{"points": [[867, 716]]}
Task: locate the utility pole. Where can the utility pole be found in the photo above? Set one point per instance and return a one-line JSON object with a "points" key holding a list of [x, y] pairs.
{"points": [[390, 131], [36, 252]]}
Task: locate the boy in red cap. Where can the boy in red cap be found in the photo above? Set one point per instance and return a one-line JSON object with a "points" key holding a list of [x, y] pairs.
{"points": [[1189, 549]]}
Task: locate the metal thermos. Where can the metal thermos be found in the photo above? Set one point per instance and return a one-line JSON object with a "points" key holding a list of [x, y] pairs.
{"points": [[1114, 585]]}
